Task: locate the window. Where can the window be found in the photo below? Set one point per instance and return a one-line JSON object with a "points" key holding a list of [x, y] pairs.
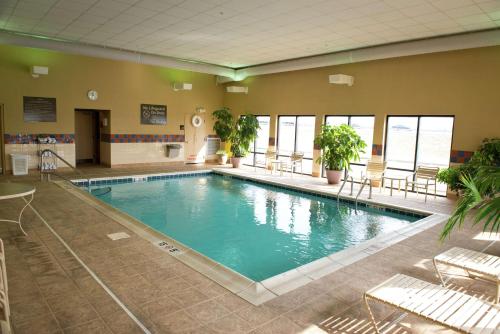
{"points": [[258, 148], [296, 133], [412, 141], [364, 128]]}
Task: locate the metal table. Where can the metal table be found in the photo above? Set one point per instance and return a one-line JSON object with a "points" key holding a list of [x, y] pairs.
{"points": [[17, 190], [392, 179]]}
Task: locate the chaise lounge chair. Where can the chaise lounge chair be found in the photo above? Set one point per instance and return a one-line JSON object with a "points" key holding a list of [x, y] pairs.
{"points": [[452, 309], [476, 264]]}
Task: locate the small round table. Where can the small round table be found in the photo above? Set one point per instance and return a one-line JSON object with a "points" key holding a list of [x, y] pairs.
{"points": [[392, 179], [17, 190], [276, 165]]}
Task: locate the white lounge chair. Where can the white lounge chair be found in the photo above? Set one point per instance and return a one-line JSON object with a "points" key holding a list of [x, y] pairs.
{"points": [[476, 264], [423, 178], [448, 308]]}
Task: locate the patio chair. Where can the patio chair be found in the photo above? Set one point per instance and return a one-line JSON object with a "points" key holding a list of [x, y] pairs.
{"points": [[449, 308], [421, 179], [271, 160], [476, 264], [375, 171], [291, 165]]}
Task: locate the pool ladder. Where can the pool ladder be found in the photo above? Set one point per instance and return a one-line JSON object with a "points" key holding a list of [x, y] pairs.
{"points": [[48, 173], [351, 179]]}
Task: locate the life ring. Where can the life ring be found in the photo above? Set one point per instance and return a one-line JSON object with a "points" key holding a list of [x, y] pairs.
{"points": [[197, 121]]}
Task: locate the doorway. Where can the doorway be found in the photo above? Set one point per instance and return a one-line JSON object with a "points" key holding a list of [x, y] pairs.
{"points": [[87, 137]]}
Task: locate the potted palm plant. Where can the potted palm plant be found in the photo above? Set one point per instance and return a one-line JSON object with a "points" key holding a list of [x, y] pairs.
{"points": [[339, 146], [241, 133]]}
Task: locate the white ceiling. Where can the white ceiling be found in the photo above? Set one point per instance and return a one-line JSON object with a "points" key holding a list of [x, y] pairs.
{"points": [[239, 33]]}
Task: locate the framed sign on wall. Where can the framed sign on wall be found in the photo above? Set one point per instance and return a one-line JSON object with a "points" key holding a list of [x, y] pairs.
{"points": [[39, 109], [153, 114]]}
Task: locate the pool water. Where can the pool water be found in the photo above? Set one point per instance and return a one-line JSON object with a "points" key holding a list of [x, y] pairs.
{"points": [[257, 230]]}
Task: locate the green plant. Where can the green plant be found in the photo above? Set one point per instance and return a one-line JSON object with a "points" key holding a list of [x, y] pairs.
{"points": [[243, 134], [488, 154], [481, 197], [340, 145], [451, 176], [223, 125]]}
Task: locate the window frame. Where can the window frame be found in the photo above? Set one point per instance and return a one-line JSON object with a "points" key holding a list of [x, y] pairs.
{"points": [[252, 151], [416, 141], [349, 123], [294, 139]]}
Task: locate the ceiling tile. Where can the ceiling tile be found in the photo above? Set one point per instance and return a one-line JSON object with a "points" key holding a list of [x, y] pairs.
{"points": [[242, 32]]}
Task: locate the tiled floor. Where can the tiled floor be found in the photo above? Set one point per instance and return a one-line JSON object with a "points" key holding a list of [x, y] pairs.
{"points": [[51, 292]]}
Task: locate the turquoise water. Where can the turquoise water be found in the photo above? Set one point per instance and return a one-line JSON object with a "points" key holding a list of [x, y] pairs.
{"points": [[256, 230]]}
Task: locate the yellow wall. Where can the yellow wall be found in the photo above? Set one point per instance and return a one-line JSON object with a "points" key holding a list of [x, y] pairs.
{"points": [[461, 83], [122, 87]]}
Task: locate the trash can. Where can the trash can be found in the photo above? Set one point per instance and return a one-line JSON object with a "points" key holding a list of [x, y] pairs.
{"points": [[19, 164]]}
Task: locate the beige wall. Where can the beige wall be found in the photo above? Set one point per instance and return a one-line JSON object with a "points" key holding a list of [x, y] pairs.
{"points": [[122, 87], [465, 84], [461, 83]]}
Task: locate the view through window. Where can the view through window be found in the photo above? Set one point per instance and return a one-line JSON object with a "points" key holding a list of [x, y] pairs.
{"points": [[296, 133], [413, 141], [258, 148], [363, 125]]}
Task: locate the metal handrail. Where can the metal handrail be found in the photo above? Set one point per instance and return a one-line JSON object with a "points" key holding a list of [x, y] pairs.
{"points": [[63, 160]]}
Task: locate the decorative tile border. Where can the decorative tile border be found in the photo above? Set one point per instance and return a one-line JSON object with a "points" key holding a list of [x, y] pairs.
{"points": [[164, 176], [32, 138], [138, 178], [377, 149], [460, 156], [140, 138]]}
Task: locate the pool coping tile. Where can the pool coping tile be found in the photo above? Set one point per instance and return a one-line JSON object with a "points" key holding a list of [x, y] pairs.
{"points": [[252, 291]]}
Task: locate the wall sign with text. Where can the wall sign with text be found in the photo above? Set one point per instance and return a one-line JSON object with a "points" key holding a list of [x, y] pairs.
{"points": [[154, 114], [39, 109]]}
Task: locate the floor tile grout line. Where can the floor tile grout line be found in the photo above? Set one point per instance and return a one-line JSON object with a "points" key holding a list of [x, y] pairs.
{"points": [[94, 276], [44, 300], [99, 315]]}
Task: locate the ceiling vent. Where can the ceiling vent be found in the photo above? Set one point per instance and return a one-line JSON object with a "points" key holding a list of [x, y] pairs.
{"points": [[237, 89]]}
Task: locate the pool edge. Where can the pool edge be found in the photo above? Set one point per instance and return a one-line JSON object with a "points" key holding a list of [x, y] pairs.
{"points": [[258, 292]]}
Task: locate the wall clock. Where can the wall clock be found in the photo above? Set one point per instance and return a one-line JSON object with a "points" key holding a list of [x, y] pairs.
{"points": [[92, 95]]}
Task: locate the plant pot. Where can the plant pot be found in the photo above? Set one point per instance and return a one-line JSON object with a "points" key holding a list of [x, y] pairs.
{"points": [[236, 162], [222, 159], [333, 176]]}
